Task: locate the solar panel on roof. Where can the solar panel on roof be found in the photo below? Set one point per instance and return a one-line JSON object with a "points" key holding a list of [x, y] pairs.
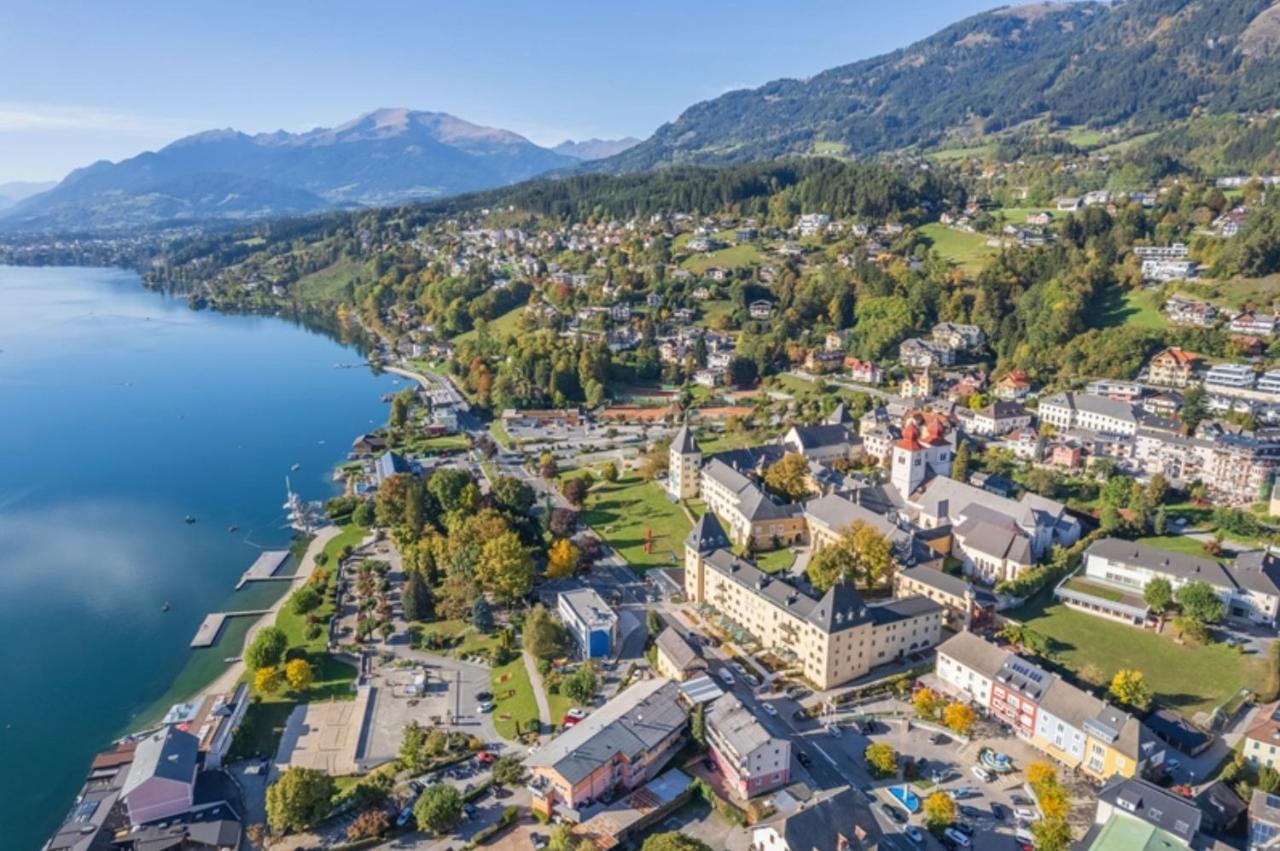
{"points": [[84, 811], [1028, 672]]}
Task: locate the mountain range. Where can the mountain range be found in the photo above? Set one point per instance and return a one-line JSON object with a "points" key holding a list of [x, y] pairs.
{"points": [[388, 156], [12, 193], [1138, 65]]}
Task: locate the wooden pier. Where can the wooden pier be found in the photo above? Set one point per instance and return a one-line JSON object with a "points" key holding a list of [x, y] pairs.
{"points": [[207, 634], [265, 567]]}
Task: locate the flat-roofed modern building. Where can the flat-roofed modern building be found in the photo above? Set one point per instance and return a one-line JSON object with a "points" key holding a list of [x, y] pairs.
{"points": [[589, 619]]}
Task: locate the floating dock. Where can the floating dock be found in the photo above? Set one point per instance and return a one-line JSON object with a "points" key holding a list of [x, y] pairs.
{"points": [[265, 567], [207, 634]]}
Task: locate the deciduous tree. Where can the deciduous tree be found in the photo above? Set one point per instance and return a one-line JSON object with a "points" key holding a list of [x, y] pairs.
{"points": [[1129, 689], [267, 648], [505, 567], [299, 798], [881, 758], [959, 717], [438, 808], [562, 559], [939, 811], [299, 675], [789, 477]]}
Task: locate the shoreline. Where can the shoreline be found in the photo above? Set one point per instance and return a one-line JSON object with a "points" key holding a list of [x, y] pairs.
{"points": [[227, 680]]}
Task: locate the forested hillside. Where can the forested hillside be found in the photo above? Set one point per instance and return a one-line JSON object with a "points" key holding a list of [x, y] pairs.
{"points": [[1140, 63]]}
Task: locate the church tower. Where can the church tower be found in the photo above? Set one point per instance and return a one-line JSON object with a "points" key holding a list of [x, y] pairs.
{"points": [[684, 464], [909, 468]]}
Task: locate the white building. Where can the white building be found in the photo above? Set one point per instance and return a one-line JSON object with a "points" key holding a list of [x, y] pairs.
{"points": [[1236, 376], [1067, 411], [590, 621]]}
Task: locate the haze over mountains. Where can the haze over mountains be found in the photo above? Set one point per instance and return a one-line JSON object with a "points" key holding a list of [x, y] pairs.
{"points": [[1139, 64]]}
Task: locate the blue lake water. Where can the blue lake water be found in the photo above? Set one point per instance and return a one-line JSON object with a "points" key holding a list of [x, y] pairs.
{"points": [[121, 412]]}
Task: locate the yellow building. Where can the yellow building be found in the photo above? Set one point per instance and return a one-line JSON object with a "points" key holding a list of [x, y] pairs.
{"points": [[836, 637]]}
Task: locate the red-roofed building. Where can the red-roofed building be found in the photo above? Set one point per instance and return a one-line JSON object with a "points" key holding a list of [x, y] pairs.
{"points": [[1173, 367]]}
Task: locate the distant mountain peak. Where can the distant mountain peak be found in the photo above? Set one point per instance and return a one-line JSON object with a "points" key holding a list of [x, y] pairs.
{"points": [[595, 149]]}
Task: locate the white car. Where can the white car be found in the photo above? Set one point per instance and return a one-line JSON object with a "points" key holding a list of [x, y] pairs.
{"points": [[1025, 814], [737, 666], [834, 730], [725, 676], [958, 839], [487, 706], [768, 707], [982, 774], [577, 713]]}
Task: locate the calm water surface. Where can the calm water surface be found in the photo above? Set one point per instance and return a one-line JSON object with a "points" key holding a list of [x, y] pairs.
{"points": [[121, 412]]}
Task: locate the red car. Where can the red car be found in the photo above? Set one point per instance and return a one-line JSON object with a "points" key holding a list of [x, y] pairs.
{"points": [[485, 757]]}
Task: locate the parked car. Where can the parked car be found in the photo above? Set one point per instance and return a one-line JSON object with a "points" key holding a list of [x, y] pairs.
{"points": [[752, 679], [961, 792], [982, 774], [416, 786], [577, 712], [769, 708], [998, 812], [725, 676], [1020, 800], [484, 757], [485, 706], [737, 666], [970, 812], [914, 834], [955, 838], [940, 739], [834, 730], [803, 758], [893, 813], [1025, 814]]}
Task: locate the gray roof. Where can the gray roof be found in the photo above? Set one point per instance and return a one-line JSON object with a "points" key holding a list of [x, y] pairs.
{"points": [[1153, 805], [1186, 567], [1004, 410], [840, 608], [954, 586], [818, 436], [1264, 807], [589, 608], [737, 725], [838, 512], [1028, 510], [839, 415], [994, 534], [753, 502], [1257, 571], [903, 608], [683, 441], [819, 826], [672, 645], [1100, 405], [169, 753], [974, 653], [636, 721], [707, 535]]}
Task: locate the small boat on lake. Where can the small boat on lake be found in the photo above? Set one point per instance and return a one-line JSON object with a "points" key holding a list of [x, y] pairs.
{"points": [[189, 519]]}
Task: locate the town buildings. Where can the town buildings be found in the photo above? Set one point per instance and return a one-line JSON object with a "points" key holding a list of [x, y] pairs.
{"points": [[590, 621], [675, 656], [840, 822], [1064, 722], [751, 760], [835, 637], [621, 746], [1261, 744], [1134, 813]]}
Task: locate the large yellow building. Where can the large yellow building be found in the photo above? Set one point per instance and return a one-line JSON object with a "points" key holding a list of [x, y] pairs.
{"points": [[837, 637]]}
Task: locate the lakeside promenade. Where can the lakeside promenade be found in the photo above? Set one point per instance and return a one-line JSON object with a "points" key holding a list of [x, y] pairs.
{"points": [[227, 680]]}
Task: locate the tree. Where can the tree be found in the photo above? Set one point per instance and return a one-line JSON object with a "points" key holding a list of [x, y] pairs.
{"points": [[299, 675], [438, 809], [564, 839], [962, 461], [400, 404], [698, 724], [1128, 688], [562, 522], [414, 754], [862, 552], [673, 841], [927, 703], [507, 771], [505, 567], [1199, 602], [305, 599], [939, 811], [959, 717], [653, 621], [1158, 595], [788, 478], [267, 680], [544, 636], [513, 494], [881, 758], [1161, 523], [610, 471], [365, 514], [447, 485], [299, 798], [1051, 834], [562, 559], [1041, 774], [482, 616], [575, 489], [416, 598], [369, 824], [830, 565], [267, 648], [457, 595], [581, 685]]}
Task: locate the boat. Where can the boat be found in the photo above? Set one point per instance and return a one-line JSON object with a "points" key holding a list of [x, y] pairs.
{"points": [[295, 468], [231, 530], [166, 607], [189, 519]]}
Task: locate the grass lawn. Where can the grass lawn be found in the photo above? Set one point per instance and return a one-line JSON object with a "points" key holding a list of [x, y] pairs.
{"points": [[559, 704], [624, 512], [1085, 138], [830, 149], [1016, 215], [967, 250], [328, 284], [1188, 679], [471, 641], [945, 154], [1138, 308], [443, 443], [500, 328], [774, 561], [1177, 544], [295, 626], [513, 698], [1094, 590], [714, 309], [733, 257], [265, 719]]}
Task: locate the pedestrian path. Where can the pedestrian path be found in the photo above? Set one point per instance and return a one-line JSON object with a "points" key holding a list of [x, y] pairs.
{"points": [[539, 694]]}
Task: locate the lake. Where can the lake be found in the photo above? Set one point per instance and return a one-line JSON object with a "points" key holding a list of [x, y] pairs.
{"points": [[122, 411]]}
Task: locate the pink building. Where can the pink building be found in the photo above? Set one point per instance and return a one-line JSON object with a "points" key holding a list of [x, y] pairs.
{"points": [[751, 760], [162, 780]]}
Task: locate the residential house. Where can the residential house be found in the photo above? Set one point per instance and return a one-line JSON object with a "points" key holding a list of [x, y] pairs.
{"points": [[1169, 270], [162, 778], [1183, 310], [760, 309], [918, 353], [823, 360], [957, 336], [999, 418], [918, 385], [1015, 384], [1133, 813], [1062, 721], [1172, 367], [1264, 821], [1261, 743], [619, 747], [1230, 376], [675, 656], [825, 443], [740, 501], [965, 605], [751, 759], [390, 464], [593, 625], [213, 719], [866, 372], [838, 823]]}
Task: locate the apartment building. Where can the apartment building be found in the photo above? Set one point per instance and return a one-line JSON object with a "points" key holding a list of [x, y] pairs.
{"points": [[835, 637], [1261, 745], [752, 761], [1087, 412], [1229, 376], [1173, 367], [1068, 724], [619, 747]]}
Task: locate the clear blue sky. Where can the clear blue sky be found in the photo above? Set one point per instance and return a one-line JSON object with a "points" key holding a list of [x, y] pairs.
{"points": [[81, 81]]}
